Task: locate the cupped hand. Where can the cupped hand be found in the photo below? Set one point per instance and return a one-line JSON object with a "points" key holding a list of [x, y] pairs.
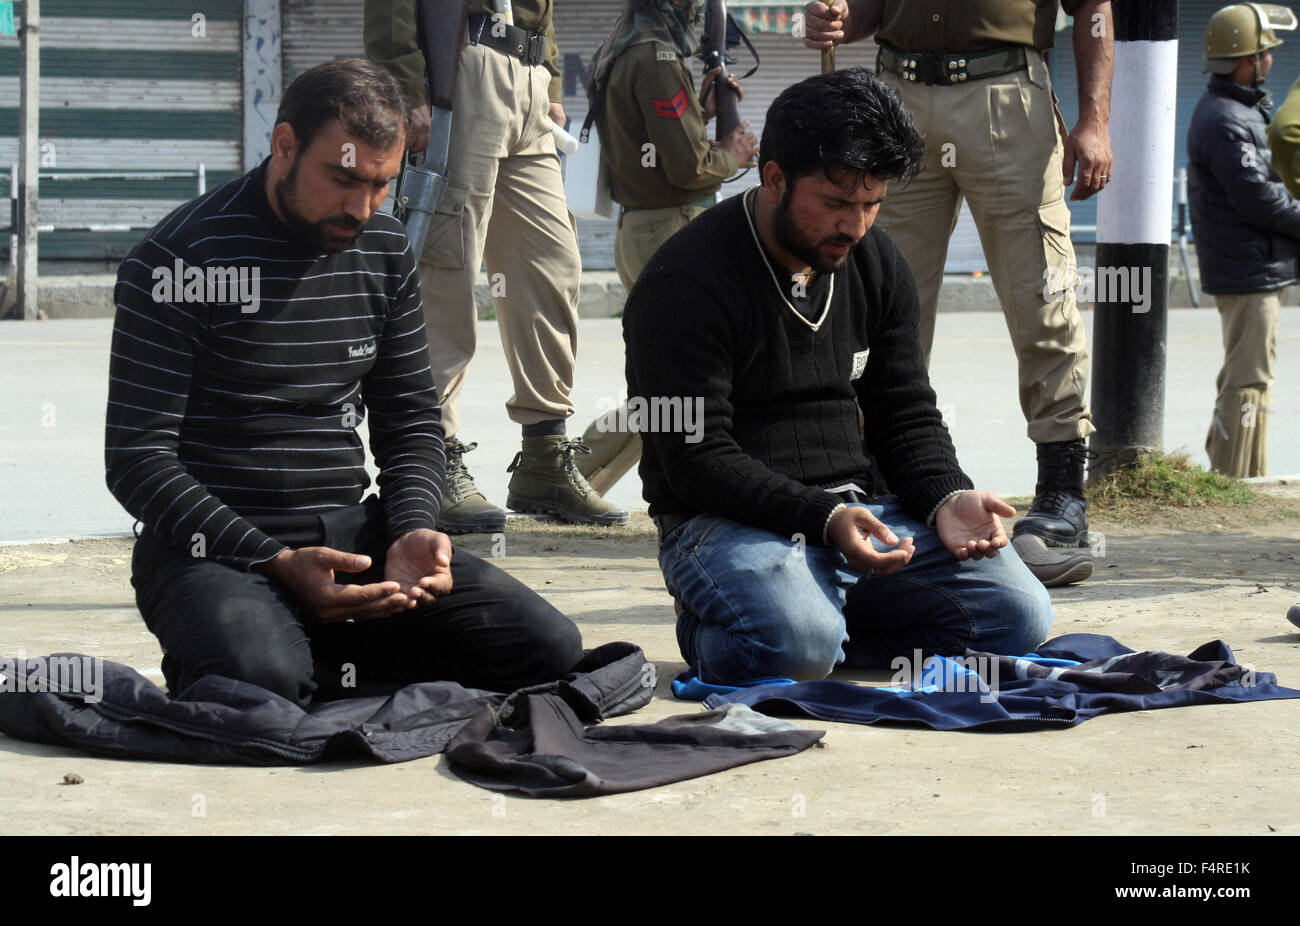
{"points": [[970, 524]]}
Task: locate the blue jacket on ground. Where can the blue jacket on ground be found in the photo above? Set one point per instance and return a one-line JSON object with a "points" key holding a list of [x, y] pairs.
{"points": [[1071, 678]]}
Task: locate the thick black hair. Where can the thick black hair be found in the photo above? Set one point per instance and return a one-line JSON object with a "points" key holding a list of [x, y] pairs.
{"points": [[845, 121], [360, 94]]}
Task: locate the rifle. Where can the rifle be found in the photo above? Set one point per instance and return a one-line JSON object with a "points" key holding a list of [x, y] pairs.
{"points": [[713, 52], [423, 180]]}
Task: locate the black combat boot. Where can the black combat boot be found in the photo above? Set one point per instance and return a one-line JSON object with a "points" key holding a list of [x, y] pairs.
{"points": [[1052, 538]]}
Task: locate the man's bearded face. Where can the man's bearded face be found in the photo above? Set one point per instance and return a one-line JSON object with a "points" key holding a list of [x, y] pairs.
{"points": [[819, 219], [333, 186], [336, 232]]}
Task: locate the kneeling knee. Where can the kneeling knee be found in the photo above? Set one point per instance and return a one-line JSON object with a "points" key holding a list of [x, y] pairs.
{"points": [[803, 653], [1029, 617], [276, 671]]}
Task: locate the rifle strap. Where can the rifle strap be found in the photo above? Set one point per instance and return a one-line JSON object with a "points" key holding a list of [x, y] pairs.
{"points": [[597, 103]]}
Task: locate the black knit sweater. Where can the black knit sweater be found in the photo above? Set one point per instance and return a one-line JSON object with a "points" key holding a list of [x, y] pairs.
{"points": [[780, 399]]}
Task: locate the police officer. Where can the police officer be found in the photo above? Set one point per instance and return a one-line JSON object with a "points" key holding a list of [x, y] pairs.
{"points": [[663, 169], [1246, 225], [1284, 139], [974, 75], [505, 189]]}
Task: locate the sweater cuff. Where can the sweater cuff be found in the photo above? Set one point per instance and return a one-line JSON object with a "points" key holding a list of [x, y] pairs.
{"points": [[812, 523], [934, 512], [826, 531], [923, 500], [268, 548]]}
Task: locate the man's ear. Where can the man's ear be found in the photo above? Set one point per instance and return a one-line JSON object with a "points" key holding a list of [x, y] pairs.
{"points": [[774, 182], [284, 143]]}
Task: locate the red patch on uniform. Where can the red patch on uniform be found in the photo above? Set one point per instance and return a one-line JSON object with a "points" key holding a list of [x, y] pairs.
{"points": [[671, 109]]}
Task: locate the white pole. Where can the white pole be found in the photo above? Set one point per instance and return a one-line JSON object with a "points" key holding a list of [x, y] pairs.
{"points": [[29, 151], [13, 219]]}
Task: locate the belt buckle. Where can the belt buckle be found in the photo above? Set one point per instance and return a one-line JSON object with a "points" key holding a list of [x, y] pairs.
{"points": [[474, 30], [953, 69], [920, 67], [536, 51]]}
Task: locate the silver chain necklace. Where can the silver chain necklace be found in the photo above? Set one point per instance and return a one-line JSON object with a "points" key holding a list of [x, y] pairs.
{"points": [[762, 252]]}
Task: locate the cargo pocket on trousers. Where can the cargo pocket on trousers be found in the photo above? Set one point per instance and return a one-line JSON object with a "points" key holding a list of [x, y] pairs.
{"points": [[1060, 272], [445, 244]]}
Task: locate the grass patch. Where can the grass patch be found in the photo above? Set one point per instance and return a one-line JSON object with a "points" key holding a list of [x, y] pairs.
{"points": [[1169, 491], [1167, 481]]}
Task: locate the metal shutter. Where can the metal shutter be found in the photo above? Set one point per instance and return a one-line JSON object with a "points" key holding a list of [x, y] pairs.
{"points": [[126, 86], [316, 31]]}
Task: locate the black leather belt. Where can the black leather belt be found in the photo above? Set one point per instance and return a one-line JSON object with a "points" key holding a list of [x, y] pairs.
{"points": [[528, 47], [667, 523], [853, 497], [939, 68], [705, 201]]}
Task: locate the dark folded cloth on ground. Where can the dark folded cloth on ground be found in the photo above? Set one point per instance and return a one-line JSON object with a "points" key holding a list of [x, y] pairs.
{"points": [[532, 740]]}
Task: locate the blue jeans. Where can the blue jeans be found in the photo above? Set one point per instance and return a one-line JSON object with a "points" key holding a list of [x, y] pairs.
{"points": [[758, 605]]}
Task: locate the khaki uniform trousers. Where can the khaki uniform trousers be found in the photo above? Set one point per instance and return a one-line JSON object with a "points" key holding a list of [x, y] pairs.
{"points": [[504, 206], [641, 231], [1238, 440], [997, 143]]}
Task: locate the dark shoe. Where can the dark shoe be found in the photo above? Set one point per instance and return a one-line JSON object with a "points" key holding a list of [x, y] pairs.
{"points": [[613, 452], [545, 480], [1052, 538], [1293, 615], [465, 510], [1053, 566], [1059, 513]]}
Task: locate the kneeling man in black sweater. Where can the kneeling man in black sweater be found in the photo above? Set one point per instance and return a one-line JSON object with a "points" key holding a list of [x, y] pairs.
{"points": [[810, 505]]}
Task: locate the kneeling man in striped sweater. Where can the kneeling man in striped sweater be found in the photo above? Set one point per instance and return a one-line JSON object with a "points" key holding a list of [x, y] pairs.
{"points": [[256, 329]]}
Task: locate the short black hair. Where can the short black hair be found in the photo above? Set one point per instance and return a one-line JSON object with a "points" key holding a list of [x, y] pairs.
{"points": [[847, 120], [359, 93]]}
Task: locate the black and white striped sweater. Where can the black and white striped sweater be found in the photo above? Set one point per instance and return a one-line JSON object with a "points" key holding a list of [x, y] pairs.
{"points": [[242, 362]]}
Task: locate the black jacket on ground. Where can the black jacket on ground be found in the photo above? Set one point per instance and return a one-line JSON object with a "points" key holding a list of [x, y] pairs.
{"points": [[535, 741], [1245, 222]]}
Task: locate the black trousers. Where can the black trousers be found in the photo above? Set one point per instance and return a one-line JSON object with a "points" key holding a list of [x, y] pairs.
{"points": [[491, 631]]}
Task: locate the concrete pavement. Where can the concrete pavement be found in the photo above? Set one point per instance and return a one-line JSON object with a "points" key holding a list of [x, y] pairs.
{"points": [[55, 376], [1221, 770]]}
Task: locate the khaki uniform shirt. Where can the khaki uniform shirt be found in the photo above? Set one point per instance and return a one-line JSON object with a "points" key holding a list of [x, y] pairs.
{"points": [[650, 99], [969, 25], [1284, 139], [390, 34]]}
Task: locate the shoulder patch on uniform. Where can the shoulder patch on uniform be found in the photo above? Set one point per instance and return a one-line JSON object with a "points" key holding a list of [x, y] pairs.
{"points": [[671, 108], [665, 56]]}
